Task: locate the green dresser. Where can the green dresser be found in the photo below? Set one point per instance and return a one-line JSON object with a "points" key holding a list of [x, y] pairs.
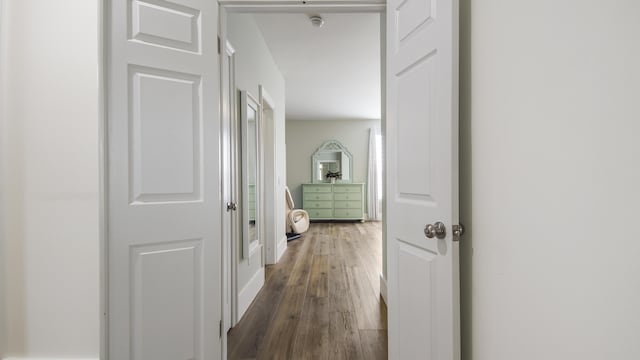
{"points": [[334, 201]]}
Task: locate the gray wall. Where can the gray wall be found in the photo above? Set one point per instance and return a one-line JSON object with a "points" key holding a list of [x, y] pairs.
{"points": [[304, 137], [550, 124]]}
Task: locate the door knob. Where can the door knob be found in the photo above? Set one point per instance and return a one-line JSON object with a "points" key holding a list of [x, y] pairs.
{"points": [[232, 206], [437, 230]]}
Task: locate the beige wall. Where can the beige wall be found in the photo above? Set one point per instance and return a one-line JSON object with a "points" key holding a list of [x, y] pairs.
{"points": [[304, 138], [50, 231], [550, 121]]}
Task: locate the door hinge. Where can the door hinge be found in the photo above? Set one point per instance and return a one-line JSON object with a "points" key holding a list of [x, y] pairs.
{"points": [[220, 334], [458, 231], [219, 50]]}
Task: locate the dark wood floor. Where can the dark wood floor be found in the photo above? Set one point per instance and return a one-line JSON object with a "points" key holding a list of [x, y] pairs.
{"points": [[321, 301]]}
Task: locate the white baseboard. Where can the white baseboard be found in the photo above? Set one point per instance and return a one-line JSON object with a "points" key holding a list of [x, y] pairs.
{"points": [[249, 292], [282, 247], [383, 288], [41, 358]]}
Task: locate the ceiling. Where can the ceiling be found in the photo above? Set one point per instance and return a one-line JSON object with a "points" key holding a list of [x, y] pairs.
{"points": [[332, 72]]}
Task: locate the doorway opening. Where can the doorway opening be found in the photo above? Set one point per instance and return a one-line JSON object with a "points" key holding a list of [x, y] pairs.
{"points": [[326, 120]]}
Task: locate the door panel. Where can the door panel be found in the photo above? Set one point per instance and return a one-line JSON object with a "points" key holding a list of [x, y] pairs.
{"points": [[422, 184], [416, 336], [163, 189], [166, 24], [165, 135], [177, 318]]}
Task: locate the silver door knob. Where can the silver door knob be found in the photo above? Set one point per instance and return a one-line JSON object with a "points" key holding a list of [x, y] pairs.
{"points": [[437, 230]]}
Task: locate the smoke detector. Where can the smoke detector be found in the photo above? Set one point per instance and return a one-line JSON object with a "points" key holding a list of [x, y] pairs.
{"points": [[316, 20]]}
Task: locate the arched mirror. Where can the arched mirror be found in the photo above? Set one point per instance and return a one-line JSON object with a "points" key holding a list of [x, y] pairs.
{"points": [[332, 162]]}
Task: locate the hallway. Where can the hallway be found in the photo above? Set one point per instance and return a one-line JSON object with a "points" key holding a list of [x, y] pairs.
{"points": [[321, 301]]}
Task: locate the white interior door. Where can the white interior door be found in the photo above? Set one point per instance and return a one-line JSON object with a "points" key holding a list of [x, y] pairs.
{"points": [[422, 161], [164, 242]]}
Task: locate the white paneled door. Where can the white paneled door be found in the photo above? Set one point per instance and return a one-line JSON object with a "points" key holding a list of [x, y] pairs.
{"points": [[164, 254], [422, 187]]}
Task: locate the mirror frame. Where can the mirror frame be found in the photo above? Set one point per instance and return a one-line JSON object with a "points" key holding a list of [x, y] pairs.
{"points": [[330, 146], [249, 246]]}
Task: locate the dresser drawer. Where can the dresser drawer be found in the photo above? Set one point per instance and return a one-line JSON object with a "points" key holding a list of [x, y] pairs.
{"points": [[317, 196], [347, 204], [320, 213], [347, 189], [348, 196], [316, 188], [347, 213], [318, 204]]}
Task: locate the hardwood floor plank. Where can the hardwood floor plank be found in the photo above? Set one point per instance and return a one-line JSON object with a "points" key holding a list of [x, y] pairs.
{"points": [[322, 245], [279, 340], [312, 338], [302, 268], [374, 344], [319, 277], [339, 295], [369, 309], [344, 336]]}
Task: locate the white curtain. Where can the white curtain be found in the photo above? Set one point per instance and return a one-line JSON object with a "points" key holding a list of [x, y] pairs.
{"points": [[373, 200]]}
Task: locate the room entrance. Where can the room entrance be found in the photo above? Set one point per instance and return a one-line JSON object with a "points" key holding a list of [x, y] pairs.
{"points": [[325, 85]]}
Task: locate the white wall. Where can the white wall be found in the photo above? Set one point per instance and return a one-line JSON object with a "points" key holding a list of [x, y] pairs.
{"points": [[305, 136], [550, 179], [50, 187], [255, 66]]}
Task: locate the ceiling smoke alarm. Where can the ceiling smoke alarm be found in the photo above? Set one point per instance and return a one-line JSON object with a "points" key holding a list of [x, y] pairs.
{"points": [[316, 20]]}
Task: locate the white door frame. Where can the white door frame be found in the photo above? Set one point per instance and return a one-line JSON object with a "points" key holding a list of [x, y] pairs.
{"points": [[231, 6], [269, 195], [103, 164], [271, 6]]}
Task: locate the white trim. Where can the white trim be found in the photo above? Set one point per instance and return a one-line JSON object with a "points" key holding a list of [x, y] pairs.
{"points": [[3, 166], [249, 292], [103, 205], [269, 169], [282, 247], [254, 247], [383, 288], [41, 358], [265, 98], [294, 6]]}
